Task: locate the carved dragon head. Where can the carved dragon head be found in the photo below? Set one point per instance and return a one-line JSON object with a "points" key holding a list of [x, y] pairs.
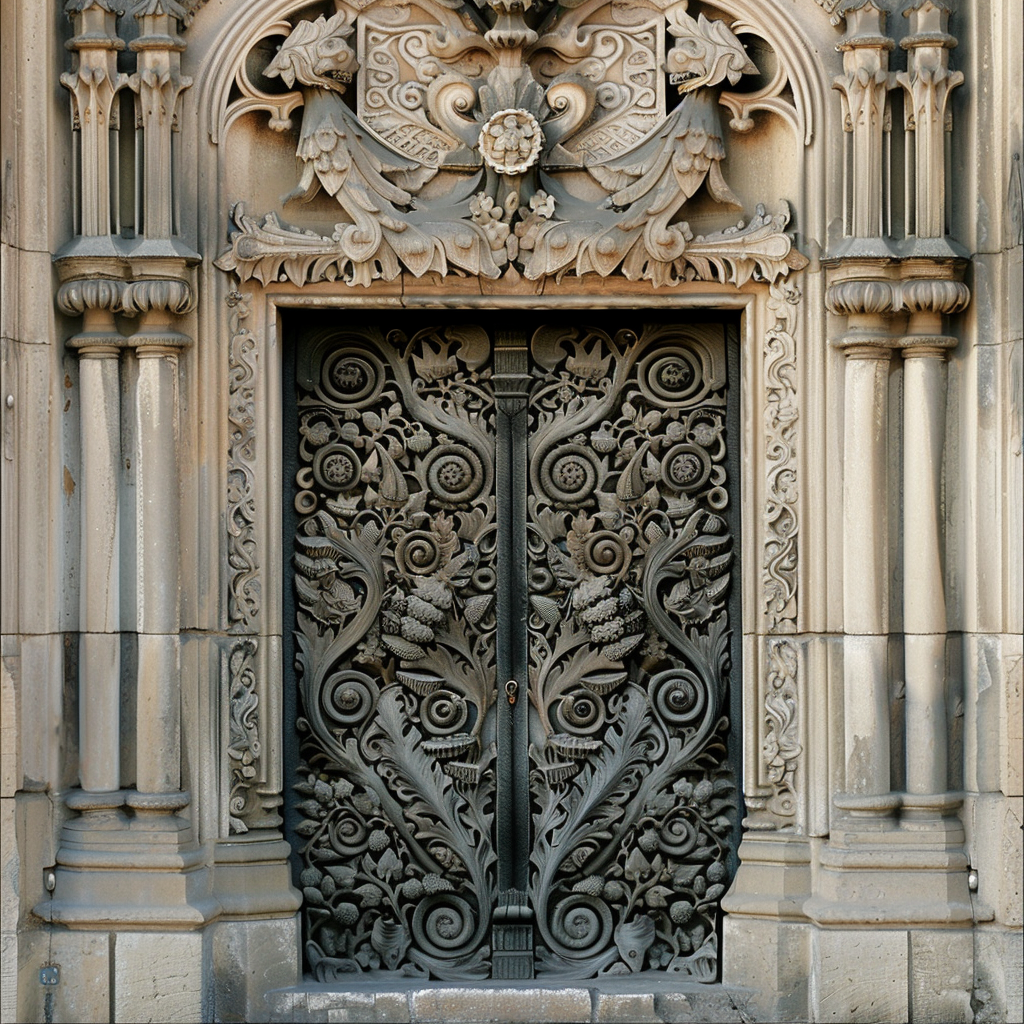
{"points": [[705, 52], [316, 54]]}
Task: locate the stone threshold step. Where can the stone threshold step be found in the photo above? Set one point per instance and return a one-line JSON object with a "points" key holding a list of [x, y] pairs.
{"points": [[640, 1000]]}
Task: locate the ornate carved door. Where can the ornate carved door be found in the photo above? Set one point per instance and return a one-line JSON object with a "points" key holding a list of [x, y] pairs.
{"points": [[512, 557]]}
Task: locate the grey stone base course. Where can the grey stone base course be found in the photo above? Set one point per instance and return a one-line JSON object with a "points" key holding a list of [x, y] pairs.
{"points": [[642, 1000]]}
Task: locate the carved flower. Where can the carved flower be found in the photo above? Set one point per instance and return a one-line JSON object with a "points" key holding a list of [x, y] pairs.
{"points": [[510, 141]]}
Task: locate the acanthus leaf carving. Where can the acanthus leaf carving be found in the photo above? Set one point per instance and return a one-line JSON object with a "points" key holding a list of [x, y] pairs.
{"points": [[781, 748], [244, 594], [480, 149]]}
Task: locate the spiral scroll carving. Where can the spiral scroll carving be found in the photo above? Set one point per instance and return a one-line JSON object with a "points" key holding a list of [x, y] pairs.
{"points": [[394, 586], [631, 564]]}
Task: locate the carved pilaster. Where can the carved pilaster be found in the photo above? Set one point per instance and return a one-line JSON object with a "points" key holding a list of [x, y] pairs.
{"points": [[158, 84], [864, 86], [928, 83], [94, 84]]}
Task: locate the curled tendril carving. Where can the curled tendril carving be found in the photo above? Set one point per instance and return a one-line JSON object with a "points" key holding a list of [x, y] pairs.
{"points": [[633, 800], [629, 561]]}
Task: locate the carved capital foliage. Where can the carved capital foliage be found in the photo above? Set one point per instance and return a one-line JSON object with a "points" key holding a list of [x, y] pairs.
{"points": [[155, 295], [859, 297], [74, 298], [496, 144]]}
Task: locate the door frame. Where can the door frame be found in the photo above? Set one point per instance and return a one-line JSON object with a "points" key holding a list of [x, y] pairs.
{"points": [[776, 490], [311, 327]]}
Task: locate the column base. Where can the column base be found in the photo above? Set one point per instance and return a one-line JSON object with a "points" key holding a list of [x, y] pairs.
{"points": [[883, 872], [252, 876], [766, 938], [129, 860]]}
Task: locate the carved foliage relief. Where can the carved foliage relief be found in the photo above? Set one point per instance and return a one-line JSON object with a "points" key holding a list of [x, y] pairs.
{"points": [[632, 797], [495, 139]]}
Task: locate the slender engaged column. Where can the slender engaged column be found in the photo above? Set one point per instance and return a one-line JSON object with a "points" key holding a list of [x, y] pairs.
{"points": [[158, 725], [159, 689], [99, 698], [924, 602], [99, 659], [866, 571], [868, 305]]}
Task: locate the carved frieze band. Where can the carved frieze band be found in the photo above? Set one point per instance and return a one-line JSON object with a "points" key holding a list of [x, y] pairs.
{"points": [[244, 589], [781, 748]]}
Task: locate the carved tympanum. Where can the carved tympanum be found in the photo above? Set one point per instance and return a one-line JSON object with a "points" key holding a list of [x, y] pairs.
{"points": [[474, 139], [398, 585]]}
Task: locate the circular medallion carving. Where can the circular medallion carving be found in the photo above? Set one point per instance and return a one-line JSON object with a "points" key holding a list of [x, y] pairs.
{"points": [[354, 379], [674, 377], [570, 474], [455, 474], [510, 141], [686, 468], [337, 467]]}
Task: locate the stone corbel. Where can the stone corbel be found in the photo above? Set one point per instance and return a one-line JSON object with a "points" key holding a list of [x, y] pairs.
{"points": [[94, 84], [928, 83], [158, 84], [864, 86]]}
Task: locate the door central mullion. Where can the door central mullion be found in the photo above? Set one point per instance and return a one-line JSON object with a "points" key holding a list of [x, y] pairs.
{"points": [[513, 929]]}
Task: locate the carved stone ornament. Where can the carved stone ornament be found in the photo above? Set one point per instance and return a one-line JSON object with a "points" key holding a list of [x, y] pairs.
{"points": [[629, 797], [531, 140]]}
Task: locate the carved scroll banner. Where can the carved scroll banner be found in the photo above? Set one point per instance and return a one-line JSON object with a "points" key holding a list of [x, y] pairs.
{"points": [[497, 139], [398, 582]]}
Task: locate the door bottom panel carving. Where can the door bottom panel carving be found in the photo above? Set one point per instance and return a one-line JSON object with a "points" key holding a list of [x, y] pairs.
{"points": [[511, 559]]}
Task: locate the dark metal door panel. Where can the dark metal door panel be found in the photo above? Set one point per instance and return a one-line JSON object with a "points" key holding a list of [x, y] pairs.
{"points": [[511, 565], [630, 559], [395, 575]]}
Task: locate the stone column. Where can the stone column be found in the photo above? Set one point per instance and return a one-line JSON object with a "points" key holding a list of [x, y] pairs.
{"points": [[927, 85], [924, 605], [99, 348], [867, 346], [94, 85], [864, 86], [158, 84], [158, 723]]}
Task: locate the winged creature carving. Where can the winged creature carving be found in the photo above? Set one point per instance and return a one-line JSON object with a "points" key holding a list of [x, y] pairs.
{"points": [[437, 94], [650, 184], [341, 157]]}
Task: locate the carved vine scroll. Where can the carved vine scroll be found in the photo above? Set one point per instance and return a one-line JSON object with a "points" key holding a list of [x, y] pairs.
{"points": [[630, 558], [493, 139]]}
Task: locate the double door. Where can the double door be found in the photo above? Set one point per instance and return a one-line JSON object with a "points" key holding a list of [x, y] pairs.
{"points": [[511, 557]]}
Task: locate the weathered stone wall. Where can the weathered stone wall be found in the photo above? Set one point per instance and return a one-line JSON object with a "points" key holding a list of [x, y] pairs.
{"points": [[882, 411]]}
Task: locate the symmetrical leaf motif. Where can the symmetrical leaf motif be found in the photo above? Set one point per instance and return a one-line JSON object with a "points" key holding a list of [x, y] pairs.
{"points": [[630, 560], [394, 585], [633, 796]]}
